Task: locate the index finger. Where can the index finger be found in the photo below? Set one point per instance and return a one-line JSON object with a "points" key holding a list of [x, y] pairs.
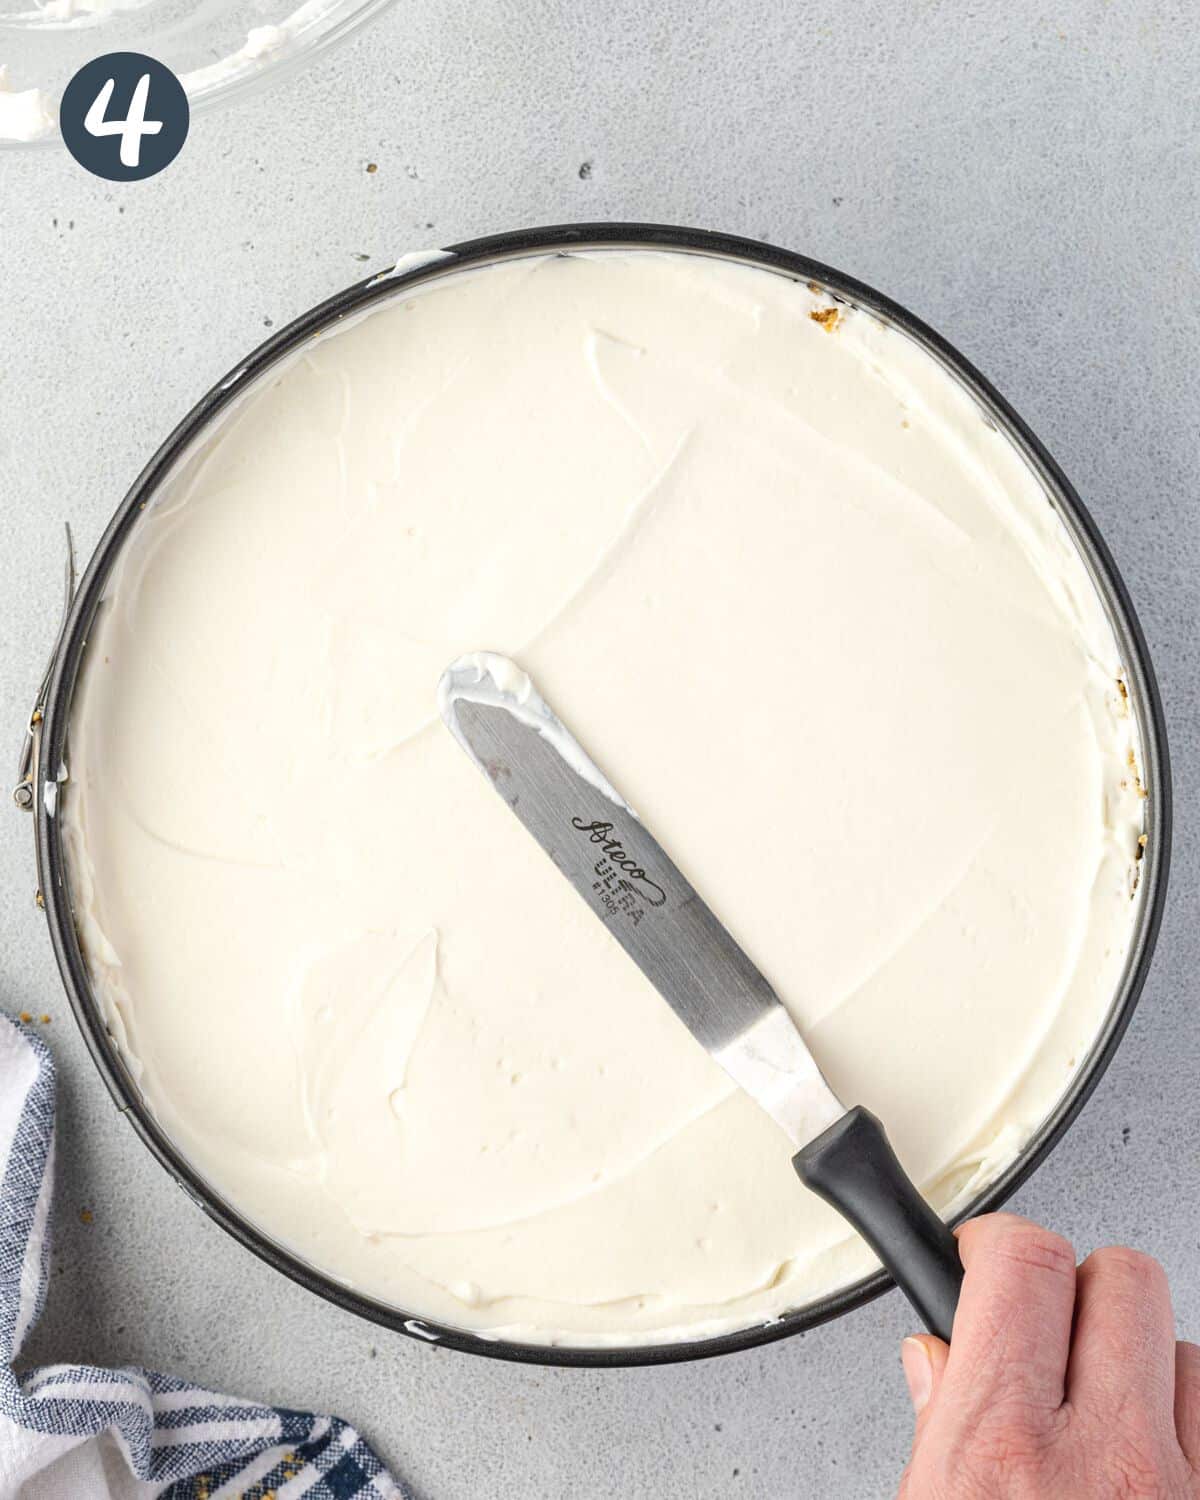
{"points": [[1012, 1330]]}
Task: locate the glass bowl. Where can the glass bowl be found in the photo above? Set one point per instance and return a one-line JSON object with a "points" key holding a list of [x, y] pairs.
{"points": [[220, 49]]}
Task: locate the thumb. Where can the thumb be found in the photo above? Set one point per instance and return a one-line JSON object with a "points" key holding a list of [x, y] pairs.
{"points": [[924, 1359]]}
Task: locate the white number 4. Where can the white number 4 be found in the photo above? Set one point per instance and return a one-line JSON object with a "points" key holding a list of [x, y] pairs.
{"points": [[132, 128]]}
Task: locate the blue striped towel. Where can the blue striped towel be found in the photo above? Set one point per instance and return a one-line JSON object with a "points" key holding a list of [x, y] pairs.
{"points": [[77, 1432]]}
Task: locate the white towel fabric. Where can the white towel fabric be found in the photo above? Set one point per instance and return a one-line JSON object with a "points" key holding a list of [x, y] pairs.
{"points": [[78, 1432]]}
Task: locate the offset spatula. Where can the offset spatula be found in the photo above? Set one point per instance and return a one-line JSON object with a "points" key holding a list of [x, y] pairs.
{"points": [[617, 866]]}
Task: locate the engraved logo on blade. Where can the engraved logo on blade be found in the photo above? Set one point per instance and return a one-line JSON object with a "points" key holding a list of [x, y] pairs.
{"points": [[622, 886]]}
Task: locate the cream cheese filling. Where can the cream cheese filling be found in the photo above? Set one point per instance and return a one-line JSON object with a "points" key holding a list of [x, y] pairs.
{"points": [[25, 114], [812, 613]]}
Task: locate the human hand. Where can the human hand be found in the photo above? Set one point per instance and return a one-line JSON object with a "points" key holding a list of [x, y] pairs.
{"points": [[1061, 1383]]}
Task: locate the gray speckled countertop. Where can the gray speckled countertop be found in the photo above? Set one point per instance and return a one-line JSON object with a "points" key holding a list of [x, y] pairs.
{"points": [[1024, 177]]}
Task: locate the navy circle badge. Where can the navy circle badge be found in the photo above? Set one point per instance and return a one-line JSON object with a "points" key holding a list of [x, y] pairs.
{"points": [[124, 116]]}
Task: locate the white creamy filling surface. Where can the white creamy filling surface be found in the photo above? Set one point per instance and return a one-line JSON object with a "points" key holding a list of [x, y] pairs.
{"points": [[812, 614], [25, 114]]}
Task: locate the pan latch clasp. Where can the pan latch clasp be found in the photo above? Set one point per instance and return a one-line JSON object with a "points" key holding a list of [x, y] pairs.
{"points": [[25, 791]]}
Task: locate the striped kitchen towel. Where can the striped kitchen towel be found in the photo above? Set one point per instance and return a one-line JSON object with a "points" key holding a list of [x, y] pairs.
{"points": [[78, 1432]]}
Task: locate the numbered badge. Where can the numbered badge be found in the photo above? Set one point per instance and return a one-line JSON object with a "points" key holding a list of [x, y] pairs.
{"points": [[124, 116]]}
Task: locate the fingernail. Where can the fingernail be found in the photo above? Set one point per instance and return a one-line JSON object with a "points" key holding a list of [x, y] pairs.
{"points": [[918, 1372]]}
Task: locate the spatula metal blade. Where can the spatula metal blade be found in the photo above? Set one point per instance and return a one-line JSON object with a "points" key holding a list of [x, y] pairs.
{"points": [[618, 867]]}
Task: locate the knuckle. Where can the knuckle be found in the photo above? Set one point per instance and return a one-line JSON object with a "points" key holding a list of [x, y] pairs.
{"points": [[1030, 1247], [1131, 1265]]}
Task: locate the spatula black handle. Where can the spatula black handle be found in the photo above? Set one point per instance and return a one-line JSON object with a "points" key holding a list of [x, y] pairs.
{"points": [[852, 1166]]}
